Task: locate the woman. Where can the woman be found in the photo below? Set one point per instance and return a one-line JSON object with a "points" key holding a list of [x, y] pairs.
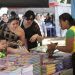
{"points": [[13, 33], [32, 30], [4, 19], [13, 26], [67, 22]]}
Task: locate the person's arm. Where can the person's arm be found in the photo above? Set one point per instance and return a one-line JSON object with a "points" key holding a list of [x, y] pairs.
{"points": [[1, 47], [36, 37], [3, 44], [16, 50], [68, 47], [39, 37], [37, 34], [12, 50], [22, 36]]}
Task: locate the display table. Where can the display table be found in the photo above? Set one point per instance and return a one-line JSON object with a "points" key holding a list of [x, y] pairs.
{"points": [[59, 63], [37, 63], [24, 64], [16, 70]]}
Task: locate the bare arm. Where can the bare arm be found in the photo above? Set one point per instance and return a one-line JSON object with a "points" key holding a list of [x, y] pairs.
{"points": [[3, 44], [68, 47], [36, 37], [22, 36], [39, 37], [17, 50]]}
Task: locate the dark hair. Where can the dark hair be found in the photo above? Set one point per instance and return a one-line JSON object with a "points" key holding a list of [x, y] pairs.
{"points": [[13, 13], [13, 16], [48, 14], [29, 15], [68, 17]]}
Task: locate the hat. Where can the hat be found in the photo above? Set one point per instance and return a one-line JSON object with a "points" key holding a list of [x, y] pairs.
{"points": [[29, 15]]}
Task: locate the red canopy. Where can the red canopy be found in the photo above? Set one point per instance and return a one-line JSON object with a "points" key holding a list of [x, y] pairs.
{"points": [[52, 4]]}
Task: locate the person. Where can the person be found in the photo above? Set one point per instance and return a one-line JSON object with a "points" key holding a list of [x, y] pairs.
{"points": [[3, 48], [39, 22], [67, 22], [13, 33], [4, 19], [3, 44], [49, 26], [32, 30]]}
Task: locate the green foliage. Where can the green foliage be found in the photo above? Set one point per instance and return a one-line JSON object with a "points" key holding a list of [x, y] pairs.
{"points": [[3, 53], [62, 1]]}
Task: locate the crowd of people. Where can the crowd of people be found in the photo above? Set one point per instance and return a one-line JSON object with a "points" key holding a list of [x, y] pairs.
{"points": [[25, 35], [29, 32]]}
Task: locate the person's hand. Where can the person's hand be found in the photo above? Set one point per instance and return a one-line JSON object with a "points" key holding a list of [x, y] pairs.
{"points": [[3, 44], [34, 38], [51, 48], [19, 42]]}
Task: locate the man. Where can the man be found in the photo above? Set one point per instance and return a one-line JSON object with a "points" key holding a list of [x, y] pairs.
{"points": [[32, 30]]}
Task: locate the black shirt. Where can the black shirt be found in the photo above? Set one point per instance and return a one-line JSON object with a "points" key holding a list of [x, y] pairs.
{"points": [[29, 32]]}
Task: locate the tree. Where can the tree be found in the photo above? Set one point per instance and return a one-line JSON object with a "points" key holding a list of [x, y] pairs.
{"points": [[62, 1]]}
